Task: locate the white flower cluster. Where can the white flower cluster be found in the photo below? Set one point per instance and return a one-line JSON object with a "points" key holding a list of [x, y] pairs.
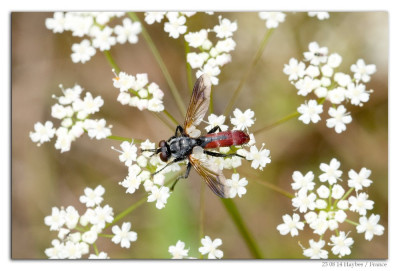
{"points": [[209, 58], [210, 247], [272, 19], [321, 78], [141, 167], [93, 26], [74, 112], [139, 172], [320, 15], [326, 208], [137, 92], [75, 240]]}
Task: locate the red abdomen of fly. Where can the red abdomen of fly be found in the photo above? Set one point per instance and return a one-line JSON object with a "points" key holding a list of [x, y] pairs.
{"points": [[225, 139]]}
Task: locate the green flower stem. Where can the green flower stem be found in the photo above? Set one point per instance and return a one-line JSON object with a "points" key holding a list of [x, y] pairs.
{"points": [[106, 235], [96, 251], [111, 61], [170, 117], [256, 58], [352, 222], [274, 187], [243, 230], [161, 64], [277, 123], [120, 138], [164, 121]]}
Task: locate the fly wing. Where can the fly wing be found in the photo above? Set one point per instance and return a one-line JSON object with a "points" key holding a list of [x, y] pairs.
{"points": [[199, 103], [214, 178]]}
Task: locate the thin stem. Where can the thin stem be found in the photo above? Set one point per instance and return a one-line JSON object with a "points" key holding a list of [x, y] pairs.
{"points": [[274, 187], [161, 64], [272, 125], [352, 222], [256, 58], [170, 117], [243, 230], [120, 138], [111, 61], [164, 121], [96, 251]]}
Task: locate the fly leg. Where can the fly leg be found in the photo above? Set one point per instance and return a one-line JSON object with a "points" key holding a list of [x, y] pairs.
{"points": [[178, 159], [189, 166], [217, 154], [178, 129], [214, 129]]}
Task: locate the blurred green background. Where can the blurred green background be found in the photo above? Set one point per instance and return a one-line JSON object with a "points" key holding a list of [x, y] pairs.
{"points": [[43, 178]]}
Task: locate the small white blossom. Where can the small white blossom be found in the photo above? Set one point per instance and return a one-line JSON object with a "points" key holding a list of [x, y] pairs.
{"points": [[197, 60], [359, 180], [310, 111], [92, 197], [128, 31], [306, 85], [210, 247], [339, 119], [236, 186], [56, 220], [362, 71], [43, 133], [331, 171], [320, 15], [71, 217], [337, 95], [160, 195], [214, 120], [260, 158], [57, 23], [82, 52], [295, 69], [175, 25], [196, 39], [178, 251], [341, 244], [89, 237], [317, 54], [225, 28], [304, 202], [370, 226], [123, 235], [152, 17], [97, 128], [102, 256], [337, 191], [303, 182], [315, 251], [272, 18], [357, 94], [133, 180], [242, 120], [292, 225], [361, 204], [103, 39]]}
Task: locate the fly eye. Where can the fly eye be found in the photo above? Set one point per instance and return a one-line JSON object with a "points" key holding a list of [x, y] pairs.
{"points": [[162, 143], [164, 156]]}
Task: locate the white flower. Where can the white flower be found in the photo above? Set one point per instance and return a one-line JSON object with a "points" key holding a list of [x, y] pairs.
{"points": [[97, 128], [211, 70], [357, 94], [214, 120], [303, 182], [339, 119], [197, 60], [331, 171], [82, 52], [362, 71], [160, 195], [70, 94], [102, 215], [225, 46], [210, 247], [323, 192], [225, 28], [336, 95], [320, 224], [320, 15], [151, 17], [337, 191], [55, 252], [295, 69], [141, 81], [128, 153], [92, 197], [313, 71], [196, 39], [334, 60], [304, 202], [242, 120], [133, 180], [123, 235], [359, 180], [43, 133], [306, 85], [310, 111], [260, 158], [123, 81], [103, 39], [236, 186], [128, 31], [272, 18], [58, 111], [342, 79], [102, 256], [370, 226], [89, 237], [64, 139], [341, 244], [178, 251], [71, 217], [291, 225], [315, 251], [175, 25], [361, 204], [155, 105], [317, 54], [57, 23], [56, 220]]}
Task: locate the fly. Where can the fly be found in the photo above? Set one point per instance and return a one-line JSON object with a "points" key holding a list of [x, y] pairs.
{"points": [[187, 141]]}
